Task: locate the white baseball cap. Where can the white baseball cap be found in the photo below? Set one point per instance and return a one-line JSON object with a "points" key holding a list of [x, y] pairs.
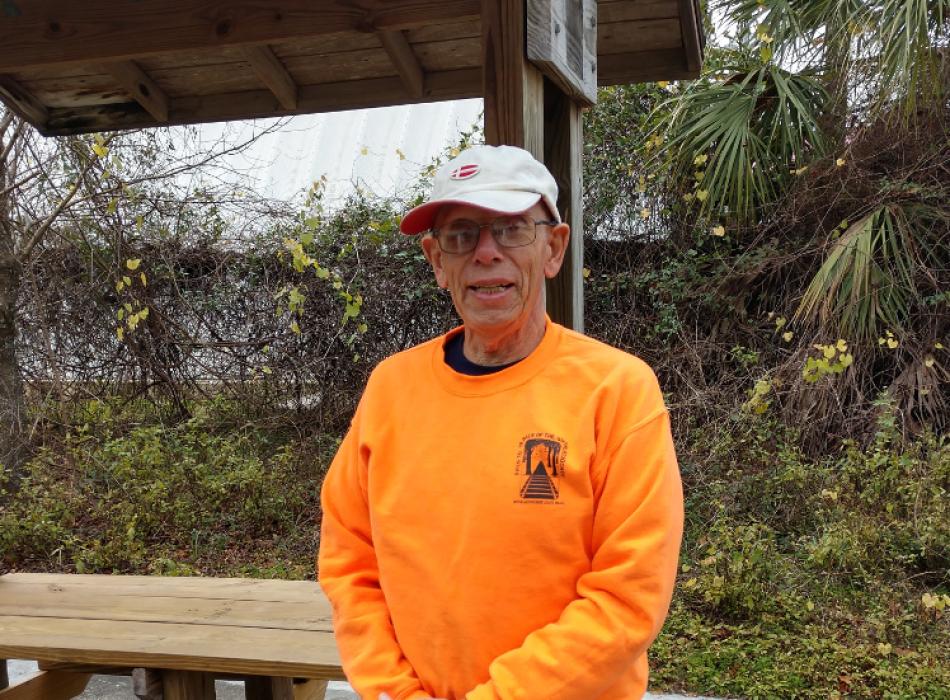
{"points": [[504, 179]]}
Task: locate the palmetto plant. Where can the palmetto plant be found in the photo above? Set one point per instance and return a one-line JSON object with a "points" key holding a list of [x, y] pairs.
{"points": [[751, 131]]}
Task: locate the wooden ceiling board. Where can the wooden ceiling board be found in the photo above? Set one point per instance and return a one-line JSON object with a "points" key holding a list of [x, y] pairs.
{"points": [[54, 55]]}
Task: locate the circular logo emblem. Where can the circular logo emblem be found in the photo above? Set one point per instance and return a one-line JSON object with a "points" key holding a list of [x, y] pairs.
{"points": [[464, 172]]}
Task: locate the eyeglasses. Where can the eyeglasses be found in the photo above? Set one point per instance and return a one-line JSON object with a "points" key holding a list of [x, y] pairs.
{"points": [[461, 235]]}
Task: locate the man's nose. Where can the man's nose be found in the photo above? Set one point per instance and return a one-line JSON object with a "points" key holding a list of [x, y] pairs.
{"points": [[487, 249]]}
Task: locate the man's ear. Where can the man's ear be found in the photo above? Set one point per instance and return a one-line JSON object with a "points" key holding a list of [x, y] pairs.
{"points": [[433, 253], [558, 240]]}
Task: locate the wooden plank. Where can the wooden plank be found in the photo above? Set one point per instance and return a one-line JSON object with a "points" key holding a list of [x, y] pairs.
{"points": [[22, 102], [562, 42], [47, 685], [451, 54], [563, 149], [273, 74], [643, 67], [252, 651], [45, 32], [330, 97], [310, 690], [141, 87], [405, 61], [95, 605], [180, 586], [268, 688], [147, 684], [642, 36], [466, 29], [628, 10], [691, 28], [513, 89], [4, 678], [187, 685]]}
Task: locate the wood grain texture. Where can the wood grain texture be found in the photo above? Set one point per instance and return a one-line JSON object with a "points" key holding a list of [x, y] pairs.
{"points": [[187, 685], [562, 42], [513, 89], [691, 27], [643, 66], [310, 690], [21, 101], [328, 97], [47, 685], [640, 36], [147, 684], [272, 73], [268, 688], [404, 60], [627, 10], [563, 151], [140, 87], [48, 32]]}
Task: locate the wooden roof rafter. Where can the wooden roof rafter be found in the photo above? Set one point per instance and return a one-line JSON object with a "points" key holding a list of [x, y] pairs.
{"points": [[115, 64]]}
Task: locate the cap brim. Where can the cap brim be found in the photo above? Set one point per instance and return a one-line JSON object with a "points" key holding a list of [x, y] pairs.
{"points": [[420, 218]]}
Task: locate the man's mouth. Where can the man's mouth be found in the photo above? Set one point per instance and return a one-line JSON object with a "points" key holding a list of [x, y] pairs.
{"points": [[491, 288]]}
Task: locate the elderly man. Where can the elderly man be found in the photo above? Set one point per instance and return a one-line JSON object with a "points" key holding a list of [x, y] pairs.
{"points": [[503, 519]]}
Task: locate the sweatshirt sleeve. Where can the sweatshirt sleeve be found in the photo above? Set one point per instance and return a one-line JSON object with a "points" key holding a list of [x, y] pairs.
{"points": [[623, 600], [349, 575]]}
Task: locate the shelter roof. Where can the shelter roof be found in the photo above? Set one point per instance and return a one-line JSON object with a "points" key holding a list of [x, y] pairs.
{"points": [[71, 67]]}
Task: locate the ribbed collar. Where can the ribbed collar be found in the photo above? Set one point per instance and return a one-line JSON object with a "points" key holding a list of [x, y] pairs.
{"points": [[508, 378]]}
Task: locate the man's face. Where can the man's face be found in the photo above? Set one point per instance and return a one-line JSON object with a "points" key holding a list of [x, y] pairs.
{"points": [[496, 290]]}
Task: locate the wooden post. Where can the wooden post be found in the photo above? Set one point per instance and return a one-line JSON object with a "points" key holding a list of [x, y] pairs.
{"points": [[563, 148], [523, 109], [147, 684], [268, 688], [4, 678], [187, 685]]}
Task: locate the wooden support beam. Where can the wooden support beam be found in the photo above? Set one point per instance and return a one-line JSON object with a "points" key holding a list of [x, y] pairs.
{"points": [[147, 684], [22, 102], [691, 29], [273, 74], [268, 688], [513, 88], [187, 685], [643, 67], [49, 32], [563, 147], [328, 97], [405, 61], [141, 87], [310, 689], [47, 685]]}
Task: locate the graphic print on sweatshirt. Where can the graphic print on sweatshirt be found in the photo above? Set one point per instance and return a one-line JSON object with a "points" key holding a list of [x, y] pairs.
{"points": [[540, 468]]}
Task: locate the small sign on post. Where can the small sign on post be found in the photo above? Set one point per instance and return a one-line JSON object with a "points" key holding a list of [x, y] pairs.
{"points": [[562, 43]]}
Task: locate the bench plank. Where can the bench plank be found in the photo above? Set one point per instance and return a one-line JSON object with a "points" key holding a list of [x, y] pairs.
{"points": [[89, 604], [246, 650], [47, 685], [180, 587]]}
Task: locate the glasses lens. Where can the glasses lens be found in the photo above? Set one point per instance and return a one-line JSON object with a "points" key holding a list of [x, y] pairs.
{"points": [[459, 236], [513, 231]]}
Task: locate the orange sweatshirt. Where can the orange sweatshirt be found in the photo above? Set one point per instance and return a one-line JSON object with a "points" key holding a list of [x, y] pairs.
{"points": [[513, 535]]}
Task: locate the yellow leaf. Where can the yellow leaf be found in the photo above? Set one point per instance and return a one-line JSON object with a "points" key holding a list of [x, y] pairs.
{"points": [[842, 345], [133, 264], [839, 162], [800, 171], [938, 346], [809, 606], [119, 286], [99, 150], [402, 156], [362, 328], [700, 159], [846, 360], [364, 151], [829, 351], [929, 361], [143, 279], [702, 195], [781, 321], [892, 343], [586, 272], [454, 152], [266, 370], [295, 327], [120, 333], [719, 230], [787, 336], [644, 213], [127, 280], [884, 648], [662, 83]]}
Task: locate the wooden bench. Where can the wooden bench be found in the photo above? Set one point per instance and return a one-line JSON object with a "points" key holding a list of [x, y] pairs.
{"points": [[175, 636]]}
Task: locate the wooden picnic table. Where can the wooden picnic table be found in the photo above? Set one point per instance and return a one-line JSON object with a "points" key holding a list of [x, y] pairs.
{"points": [[173, 635]]}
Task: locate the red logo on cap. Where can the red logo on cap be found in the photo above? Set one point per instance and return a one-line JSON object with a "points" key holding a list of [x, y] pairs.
{"points": [[464, 172]]}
